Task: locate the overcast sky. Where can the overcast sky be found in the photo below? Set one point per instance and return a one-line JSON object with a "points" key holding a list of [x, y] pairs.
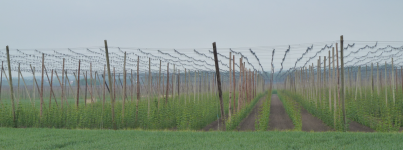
{"points": [[196, 24]]}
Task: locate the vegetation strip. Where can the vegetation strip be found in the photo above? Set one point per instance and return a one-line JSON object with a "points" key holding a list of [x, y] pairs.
{"points": [[238, 117], [43, 138], [293, 110], [262, 121]]}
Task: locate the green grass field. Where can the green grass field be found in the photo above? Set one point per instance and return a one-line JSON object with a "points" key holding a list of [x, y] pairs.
{"points": [[43, 138]]}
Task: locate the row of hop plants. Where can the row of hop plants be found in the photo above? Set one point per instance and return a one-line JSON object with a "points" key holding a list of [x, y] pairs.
{"points": [[237, 118], [377, 111], [364, 106], [262, 120], [318, 108], [293, 110], [176, 114]]}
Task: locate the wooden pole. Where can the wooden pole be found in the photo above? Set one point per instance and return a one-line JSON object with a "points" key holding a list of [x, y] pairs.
{"points": [[167, 90], [110, 82], [131, 85], [10, 82], [43, 67], [149, 86], [386, 86], [91, 82], [78, 83], [234, 82], [159, 84], [329, 85], [334, 88], [230, 94], [393, 83], [138, 86], [86, 87], [1, 82], [342, 82], [114, 96], [219, 84], [18, 86], [124, 88], [186, 85]]}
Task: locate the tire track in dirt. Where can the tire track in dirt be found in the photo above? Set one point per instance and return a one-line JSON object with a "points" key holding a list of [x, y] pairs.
{"points": [[279, 119]]}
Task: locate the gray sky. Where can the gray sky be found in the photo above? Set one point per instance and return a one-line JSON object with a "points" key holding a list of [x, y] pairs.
{"points": [[184, 24]]}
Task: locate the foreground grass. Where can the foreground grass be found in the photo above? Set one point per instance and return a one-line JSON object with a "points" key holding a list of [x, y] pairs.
{"points": [[42, 138]]}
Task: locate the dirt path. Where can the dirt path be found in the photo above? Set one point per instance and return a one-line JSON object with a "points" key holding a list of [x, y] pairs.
{"points": [[356, 127], [311, 123], [279, 119], [248, 123], [214, 126]]}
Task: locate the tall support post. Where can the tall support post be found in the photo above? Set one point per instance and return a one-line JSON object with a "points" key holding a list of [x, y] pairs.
{"points": [[78, 82], [324, 79], [393, 83], [124, 88], [372, 79], [386, 85], [86, 87], [194, 87], [334, 89], [18, 85], [338, 77], [173, 83], [91, 82], [167, 90], [234, 83], [329, 85], [43, 68], [62, 84], [230, 94], [110, 83], [342, 82], [219, 84], [186, 85], [149, 86], [377, 79], [159, 84], [34, 82], [10, 82], [178, 81], [138, 86], [239, 85], [131, 85], [320, 81], [1, 82]]}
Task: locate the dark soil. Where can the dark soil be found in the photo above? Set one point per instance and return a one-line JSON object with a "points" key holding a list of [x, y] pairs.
{"points": [[356, 127], [248, 123], [279, 119], [311, 123], [214, 126]]}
